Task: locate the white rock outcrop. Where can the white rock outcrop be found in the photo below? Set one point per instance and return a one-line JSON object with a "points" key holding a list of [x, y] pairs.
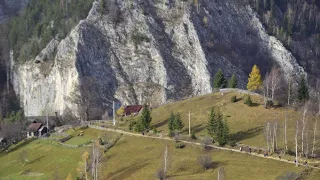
{"points": [[149, 53]]}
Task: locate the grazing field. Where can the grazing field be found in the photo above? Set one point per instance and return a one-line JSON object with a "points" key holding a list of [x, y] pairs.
{"points": [[44, 160], [246, 123], [140, 158], [137, 158]]}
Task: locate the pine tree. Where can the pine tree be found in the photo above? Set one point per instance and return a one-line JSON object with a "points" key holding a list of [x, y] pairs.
{"points": [[178, 124], [303, 91], [254, 81], [233, 82], [212, 123], [145, 118], [222, 130], [219, 80], [171, 124]]}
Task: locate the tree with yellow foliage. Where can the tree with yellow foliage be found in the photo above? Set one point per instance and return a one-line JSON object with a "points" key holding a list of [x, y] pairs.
{"points": [[69, 177], [254, 81], [120, 111]]}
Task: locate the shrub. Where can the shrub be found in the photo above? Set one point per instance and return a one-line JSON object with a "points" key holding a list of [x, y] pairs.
{"points": [[131, 125], [234, 99], [290, 152], [205, 161], [232, 143], [193, 135], [248, 101], [269, 104], [179, 145], [160, 174], [206, 142]]}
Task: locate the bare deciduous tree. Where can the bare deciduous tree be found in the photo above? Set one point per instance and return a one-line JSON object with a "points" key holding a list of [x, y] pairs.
{"points": [[23, 155], [275, 81], [96, 159], [304, 124], [205, 161], [285, 132], [296, 142], [85, 96], [221, 173]]}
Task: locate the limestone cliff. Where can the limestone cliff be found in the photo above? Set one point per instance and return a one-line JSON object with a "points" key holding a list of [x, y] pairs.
{"points": [[150, 52]]}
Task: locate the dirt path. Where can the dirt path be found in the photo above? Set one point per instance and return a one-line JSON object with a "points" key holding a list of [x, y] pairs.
{"points": [[196, 143]]}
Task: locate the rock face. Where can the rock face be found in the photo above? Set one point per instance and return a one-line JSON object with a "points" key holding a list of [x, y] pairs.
{"points": [[149, 52]]}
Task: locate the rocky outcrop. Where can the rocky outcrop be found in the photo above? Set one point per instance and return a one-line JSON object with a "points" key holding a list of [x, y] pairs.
{"points": [[149, 52]]}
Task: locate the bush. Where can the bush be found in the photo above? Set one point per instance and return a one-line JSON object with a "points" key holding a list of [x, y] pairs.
{"points": [[232, 143], [206, 142], [131, 125], [160, 174], [248, 101], [179, 145], [193, 135], [290, 152], [234, 99], [205, 161], [269, 104]]}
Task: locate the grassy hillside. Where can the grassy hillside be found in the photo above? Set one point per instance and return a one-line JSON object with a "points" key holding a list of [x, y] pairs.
{"points": [[246, 123], [138, 158]]}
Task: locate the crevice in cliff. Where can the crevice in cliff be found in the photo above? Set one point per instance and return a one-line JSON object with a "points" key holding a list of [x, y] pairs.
{"points": [[178, 77]]}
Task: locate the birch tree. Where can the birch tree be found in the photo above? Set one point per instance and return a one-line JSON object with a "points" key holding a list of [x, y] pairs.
{"points": [[289, 80], [275, 81], [304, 123], [296, 142], [285, 132], [317, 117]]}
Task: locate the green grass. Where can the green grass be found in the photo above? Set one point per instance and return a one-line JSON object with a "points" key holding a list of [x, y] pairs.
{"points": [[139, 158], [44, 157], [246, 123]]}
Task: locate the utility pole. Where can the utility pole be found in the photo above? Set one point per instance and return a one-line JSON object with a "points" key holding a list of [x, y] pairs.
{"points": [[114, 114], [189, 125]]}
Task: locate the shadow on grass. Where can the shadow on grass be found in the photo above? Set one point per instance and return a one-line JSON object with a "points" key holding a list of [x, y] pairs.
{"points": [[36, 159], [213, 165], [198, 128], [22, 144], [162, 123], [241, 135], [127, 171]]}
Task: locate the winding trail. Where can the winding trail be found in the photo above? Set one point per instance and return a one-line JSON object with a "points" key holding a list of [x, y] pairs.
{"points": [[195, 143]]}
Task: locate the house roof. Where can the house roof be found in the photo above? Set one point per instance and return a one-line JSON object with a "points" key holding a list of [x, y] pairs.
{"points": [[52, 120], [132, 109], [34, 127]]}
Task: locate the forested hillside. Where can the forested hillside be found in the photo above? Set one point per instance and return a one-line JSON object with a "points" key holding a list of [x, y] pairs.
{"points": [[41, 21], [296, 23]]}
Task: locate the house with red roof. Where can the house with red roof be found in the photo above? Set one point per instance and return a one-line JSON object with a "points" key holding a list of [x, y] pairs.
{"points": [[132, 110], [36, 129]]}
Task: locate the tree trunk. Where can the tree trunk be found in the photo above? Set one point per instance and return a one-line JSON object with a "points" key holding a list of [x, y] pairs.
{"points": [[285, 133], [296, 141], [314, 135]]}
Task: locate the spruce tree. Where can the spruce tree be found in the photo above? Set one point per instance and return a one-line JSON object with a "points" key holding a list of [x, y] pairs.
{"points": [[145, 119], [171, 124], [303, 91], [221, 131], [212, 123], [178, 124], [233, 82], [219, 80]]}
